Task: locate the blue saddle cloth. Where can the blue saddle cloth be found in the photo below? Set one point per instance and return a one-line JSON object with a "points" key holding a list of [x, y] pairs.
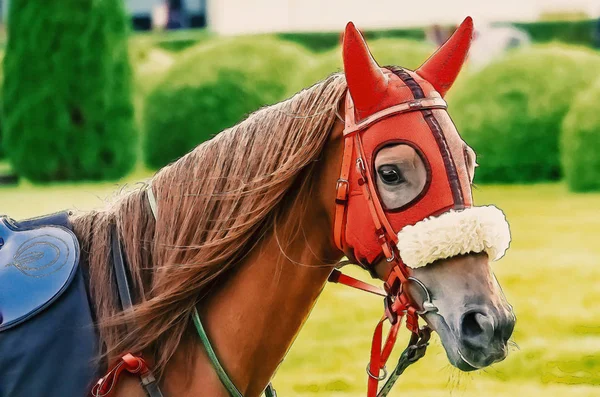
{"points": [[48, 343]]}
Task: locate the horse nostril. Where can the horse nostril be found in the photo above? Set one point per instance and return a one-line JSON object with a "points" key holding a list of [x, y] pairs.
{"points": [[471, 327], [506, 328]]}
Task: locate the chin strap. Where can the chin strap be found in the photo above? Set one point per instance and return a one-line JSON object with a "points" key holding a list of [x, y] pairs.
{"points": [[337, 276]]}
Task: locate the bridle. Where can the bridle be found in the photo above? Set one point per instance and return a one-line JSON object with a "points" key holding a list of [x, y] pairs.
{"points": [[397, 302]]}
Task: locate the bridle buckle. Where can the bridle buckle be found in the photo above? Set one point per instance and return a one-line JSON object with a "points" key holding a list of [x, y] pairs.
{"points": [[360, 165], [389, 311], [342, 188]]}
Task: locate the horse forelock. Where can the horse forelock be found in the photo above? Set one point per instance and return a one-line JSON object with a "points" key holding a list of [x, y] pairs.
{"points": [[214, 204]]}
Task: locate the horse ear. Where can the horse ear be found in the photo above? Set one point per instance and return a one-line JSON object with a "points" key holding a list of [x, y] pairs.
{"points": [[443, 66], [366, 81]]}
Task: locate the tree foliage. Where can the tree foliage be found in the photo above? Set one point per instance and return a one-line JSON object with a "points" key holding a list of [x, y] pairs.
{"points": [[68, 109]]}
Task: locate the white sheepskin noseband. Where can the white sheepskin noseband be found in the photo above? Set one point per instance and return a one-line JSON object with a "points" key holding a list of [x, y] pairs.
{"points": [[474, 229]]}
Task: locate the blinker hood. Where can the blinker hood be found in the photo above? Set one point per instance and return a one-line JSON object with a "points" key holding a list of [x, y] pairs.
{"points": [[395, 105]]}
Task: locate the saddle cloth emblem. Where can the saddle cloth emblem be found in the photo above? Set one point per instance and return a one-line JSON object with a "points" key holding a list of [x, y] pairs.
{"points": [[36, 266]]}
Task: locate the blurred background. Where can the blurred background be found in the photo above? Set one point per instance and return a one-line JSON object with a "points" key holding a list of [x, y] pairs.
{"points": [[98, 94]]}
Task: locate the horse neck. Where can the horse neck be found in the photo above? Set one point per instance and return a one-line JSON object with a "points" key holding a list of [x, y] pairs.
{"points": [[253, 320]]}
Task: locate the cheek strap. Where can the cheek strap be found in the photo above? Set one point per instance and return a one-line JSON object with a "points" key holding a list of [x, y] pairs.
{"points": [[455, 232]]}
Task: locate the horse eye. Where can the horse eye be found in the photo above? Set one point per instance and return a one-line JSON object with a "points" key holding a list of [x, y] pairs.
{"points": [[390, 175]]}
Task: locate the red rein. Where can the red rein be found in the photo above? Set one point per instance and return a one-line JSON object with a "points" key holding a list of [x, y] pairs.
{"points": [[397, 305]]}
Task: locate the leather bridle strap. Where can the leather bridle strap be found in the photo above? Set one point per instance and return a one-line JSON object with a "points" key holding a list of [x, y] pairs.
{"points": [[404, 107], [338, 277], [119, 268], [212, 356], [132, 363], [385, 234], [342, 191], [379, 356], [397, 302]]}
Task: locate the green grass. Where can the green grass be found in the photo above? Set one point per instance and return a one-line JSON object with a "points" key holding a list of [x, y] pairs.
{"points": [[550, 275]]}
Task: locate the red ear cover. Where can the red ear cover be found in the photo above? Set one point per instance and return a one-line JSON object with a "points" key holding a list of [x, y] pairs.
{"points": [[444, 65], [366, 81]]}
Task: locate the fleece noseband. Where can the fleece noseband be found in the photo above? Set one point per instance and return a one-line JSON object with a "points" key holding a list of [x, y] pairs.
{"points": [[453, 232]]}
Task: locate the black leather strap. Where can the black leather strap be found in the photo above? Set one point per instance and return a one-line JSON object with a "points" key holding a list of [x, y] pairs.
{"points": [[119, 268], [151, 387]]}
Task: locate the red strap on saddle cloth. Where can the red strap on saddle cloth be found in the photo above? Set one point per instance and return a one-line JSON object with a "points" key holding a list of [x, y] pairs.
{"points": [[133, 364]]}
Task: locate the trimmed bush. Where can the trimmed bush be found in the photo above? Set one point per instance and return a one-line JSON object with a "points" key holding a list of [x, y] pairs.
{"points": [[406, 53], [68, 111], [212, 87], [324, 41], [571, 32], [511, 111], [314, 41], [579, 32], [150, 66], [580, 142]]}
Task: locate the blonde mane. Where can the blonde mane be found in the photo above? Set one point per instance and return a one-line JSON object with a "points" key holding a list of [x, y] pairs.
{"points": [[214, 205]]}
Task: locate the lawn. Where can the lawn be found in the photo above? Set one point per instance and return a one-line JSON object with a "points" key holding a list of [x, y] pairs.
{"points": [[551, 275]]}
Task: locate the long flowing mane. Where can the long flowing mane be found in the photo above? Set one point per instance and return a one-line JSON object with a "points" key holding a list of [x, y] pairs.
{"points": [[214, 204]]}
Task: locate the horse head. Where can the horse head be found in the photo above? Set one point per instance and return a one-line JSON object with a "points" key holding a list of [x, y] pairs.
{"points": [[404, 203]]}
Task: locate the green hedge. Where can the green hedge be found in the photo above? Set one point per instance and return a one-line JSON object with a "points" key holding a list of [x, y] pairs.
{"points": [[580, 142], [212, 87], [511, 111], [571, 32], [67, 94], [324, 41], [174, 41], [401, 52], [151, 65], [568, 32]]}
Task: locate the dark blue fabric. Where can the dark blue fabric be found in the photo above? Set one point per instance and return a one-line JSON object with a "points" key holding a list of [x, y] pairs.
{"points": [[52, 353]]}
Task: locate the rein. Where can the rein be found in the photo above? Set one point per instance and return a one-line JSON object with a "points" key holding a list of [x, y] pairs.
{"points": [[225, 380]]}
